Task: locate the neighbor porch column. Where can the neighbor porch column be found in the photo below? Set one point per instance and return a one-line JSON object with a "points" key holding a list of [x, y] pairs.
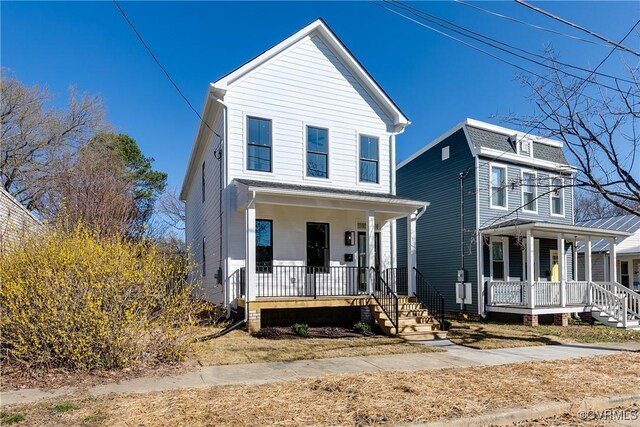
{"points": [[250, 252], [371, 245], [588, 273], [531, 270], [613, 276], [562, 257], [411, 254], [575, 259]]}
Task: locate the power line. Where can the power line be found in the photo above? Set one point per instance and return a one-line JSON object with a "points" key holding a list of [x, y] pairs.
{"points": [[421, 14], [571, 24], [528, 24], [157, 61]]}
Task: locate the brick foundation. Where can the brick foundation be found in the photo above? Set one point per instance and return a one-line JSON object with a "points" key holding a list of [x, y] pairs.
{"points": [[561, 319], [365, 314], [254, 321], [530, 319], [586, 317]]}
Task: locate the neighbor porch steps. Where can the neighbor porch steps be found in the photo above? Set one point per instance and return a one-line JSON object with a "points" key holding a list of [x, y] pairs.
{"points": [[607, 320], [414, 322]]}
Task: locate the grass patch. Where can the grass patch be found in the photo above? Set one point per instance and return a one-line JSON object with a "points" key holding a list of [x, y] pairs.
{"points": [[12, 419], [367, 399], [64, 407], [491, 335], [239, 347]]}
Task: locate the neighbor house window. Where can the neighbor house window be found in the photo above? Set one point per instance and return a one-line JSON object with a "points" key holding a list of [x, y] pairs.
{"points": [[259, 144], [529, 191], [497, 260], [317, 152], [498, 186], [525, 147], [368, 159], [204, 256], [203, 186], [557, 192], [264, 245]]}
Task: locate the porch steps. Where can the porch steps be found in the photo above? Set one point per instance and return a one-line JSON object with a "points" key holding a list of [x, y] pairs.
{"points": [[607, 320], [414, 322]]}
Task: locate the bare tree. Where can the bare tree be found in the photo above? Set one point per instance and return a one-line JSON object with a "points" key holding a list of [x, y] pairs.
{"points": [[35, 137], [593, 205], [171, 210], [599, 128]]}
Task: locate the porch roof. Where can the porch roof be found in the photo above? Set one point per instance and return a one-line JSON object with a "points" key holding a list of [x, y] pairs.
{"points": [[550, 229], [313, 196]]}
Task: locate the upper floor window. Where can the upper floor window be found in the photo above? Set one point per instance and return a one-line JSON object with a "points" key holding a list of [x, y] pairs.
{"points": [[264, 245], [368, 159], [203, 183], [529, 202], [259, 144], [317, 152], [557, 199], [526, 147], [498, 186]]}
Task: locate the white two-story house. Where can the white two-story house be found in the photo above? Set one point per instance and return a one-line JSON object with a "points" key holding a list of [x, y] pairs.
{"points": [[290, 187]]}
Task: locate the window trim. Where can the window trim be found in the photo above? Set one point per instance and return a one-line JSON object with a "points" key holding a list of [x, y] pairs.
{"points": [[524, 153], [269, 267], [248, 144], [307, 151], [377, 161], [534, 188], [505, 257], [506, 188], [562, 198]]}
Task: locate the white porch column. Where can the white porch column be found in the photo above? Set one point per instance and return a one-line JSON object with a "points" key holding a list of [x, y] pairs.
{"points": [[588, 273], [613, 276], [531, 270], [575, 259], [411, 253], [250, 252], [371, 245], [561, 270]]}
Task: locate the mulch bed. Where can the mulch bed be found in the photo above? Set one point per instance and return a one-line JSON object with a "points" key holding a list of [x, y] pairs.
{"points": [[285, 333]]}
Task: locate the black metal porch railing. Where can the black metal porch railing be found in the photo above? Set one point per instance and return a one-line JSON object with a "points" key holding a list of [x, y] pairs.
{"points": [[386, 298], [397, 279], [305, 281], [430, 298]]}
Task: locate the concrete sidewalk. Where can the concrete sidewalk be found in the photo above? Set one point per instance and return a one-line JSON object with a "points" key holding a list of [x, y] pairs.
{"points": [[260, 373]]}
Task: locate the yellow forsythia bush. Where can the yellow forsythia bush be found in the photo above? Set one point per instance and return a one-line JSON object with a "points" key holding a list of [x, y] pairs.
{"points": [[75, 300]]}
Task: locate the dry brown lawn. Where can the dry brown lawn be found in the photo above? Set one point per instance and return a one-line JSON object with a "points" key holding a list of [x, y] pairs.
{"points": [[239, 347], [366, 399], [607, 417], [491, 335]]}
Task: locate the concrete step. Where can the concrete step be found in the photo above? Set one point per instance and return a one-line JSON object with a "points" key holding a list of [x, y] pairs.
{"points": [[407, 321], [423, 336]]}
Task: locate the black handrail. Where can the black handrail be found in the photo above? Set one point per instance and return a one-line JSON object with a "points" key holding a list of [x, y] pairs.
{"points": [[430, 298], [307, 281], [397, 279], [386, 298]]}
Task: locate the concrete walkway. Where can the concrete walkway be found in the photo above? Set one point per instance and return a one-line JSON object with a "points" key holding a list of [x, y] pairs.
{"points": [[260, 373]]}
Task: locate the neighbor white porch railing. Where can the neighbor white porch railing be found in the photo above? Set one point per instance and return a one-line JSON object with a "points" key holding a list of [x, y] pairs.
{"points": [[577, 293], [508, 293], [547, 294]]}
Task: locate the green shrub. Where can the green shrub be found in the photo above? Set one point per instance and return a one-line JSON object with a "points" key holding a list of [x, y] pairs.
{"points": [[64, 407], [362, 328], [300, 329], [77, 300]]}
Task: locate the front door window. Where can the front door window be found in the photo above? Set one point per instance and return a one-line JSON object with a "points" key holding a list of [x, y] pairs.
{"points": [[317, 246], [362, 260], [624, 273]]}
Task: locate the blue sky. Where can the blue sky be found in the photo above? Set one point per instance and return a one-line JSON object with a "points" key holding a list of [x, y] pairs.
{"points": [[435, 81]]}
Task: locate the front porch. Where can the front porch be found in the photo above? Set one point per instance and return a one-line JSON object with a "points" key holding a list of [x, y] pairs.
{"points": [[530, 268]]}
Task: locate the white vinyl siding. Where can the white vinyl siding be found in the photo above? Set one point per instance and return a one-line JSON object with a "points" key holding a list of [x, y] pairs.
{"points": [[308, 85]]}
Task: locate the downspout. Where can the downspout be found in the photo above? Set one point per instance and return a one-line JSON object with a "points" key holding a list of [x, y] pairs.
{"points": [[462, 176]]}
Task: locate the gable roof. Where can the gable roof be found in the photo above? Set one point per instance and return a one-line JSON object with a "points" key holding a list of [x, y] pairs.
{"points": [[489, 140], [219, 88], [629, 223]]}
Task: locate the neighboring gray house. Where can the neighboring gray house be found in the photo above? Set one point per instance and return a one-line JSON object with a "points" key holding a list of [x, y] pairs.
{"points": [[15, 220], [499, 235], [627, 251]]}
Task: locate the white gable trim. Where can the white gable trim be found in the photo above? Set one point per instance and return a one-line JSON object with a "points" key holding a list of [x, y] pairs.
{"points": [[321, 29]]}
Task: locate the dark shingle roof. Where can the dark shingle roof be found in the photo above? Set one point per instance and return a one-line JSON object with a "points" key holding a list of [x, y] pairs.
{"points": [[499, 141], [314, 189], [629, 223]]}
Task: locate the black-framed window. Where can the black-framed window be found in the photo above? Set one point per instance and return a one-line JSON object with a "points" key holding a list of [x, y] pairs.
{"points": [[203, 183], [368, 159], [317, 152], [317, 246], [204, 256], [264, 245], [258, 144]]}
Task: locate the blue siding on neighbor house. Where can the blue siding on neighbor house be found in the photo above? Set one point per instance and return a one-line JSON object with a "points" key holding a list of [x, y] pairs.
{"points": [[491, 216], [437, 181]]}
